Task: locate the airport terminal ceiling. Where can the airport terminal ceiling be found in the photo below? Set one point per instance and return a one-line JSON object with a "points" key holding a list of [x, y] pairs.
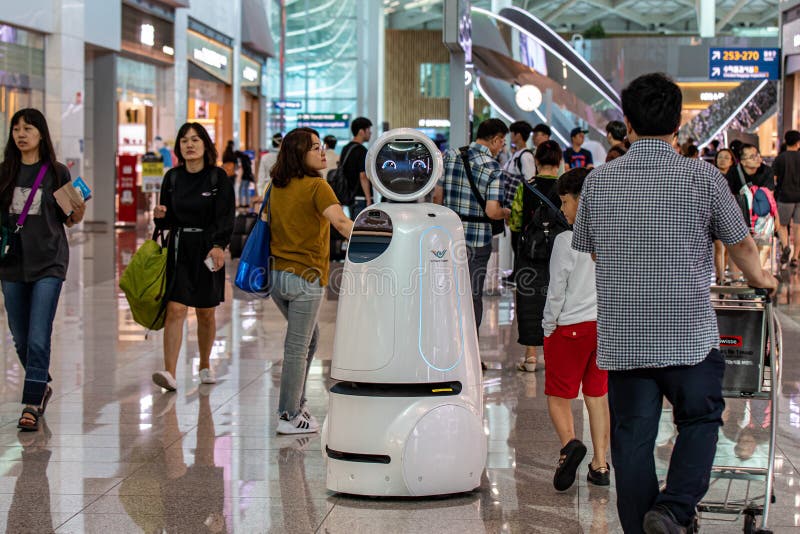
{"points": [[754, 18]]}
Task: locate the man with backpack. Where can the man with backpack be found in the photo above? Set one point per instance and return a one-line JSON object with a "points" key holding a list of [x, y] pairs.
{"points": [[751, 178], [349, 180], [521, 165]]}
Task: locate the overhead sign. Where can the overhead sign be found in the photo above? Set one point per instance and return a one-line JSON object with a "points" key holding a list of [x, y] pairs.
{"points": [[323, 120], [213, 57], [744, 63], [287, 104]]}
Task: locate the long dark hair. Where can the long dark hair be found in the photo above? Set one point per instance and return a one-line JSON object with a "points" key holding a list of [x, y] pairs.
{"points": [[210, 152], [12, 157], [229, 155], [291, 162]]}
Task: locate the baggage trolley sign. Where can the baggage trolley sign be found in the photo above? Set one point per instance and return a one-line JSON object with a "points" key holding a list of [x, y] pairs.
{"points": [[742, 341]]}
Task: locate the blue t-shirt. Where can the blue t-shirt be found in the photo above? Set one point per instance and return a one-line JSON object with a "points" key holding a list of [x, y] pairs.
{"points": [[581, 158]]}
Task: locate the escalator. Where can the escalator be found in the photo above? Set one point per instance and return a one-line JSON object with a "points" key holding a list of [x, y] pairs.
{"points": [[514, 48], [743, 109]]}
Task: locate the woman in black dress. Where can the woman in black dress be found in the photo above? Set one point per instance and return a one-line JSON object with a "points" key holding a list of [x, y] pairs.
{"points": [[533, 275], [197, 207]]}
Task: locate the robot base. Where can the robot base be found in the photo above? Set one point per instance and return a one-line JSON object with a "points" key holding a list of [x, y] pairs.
{"points": [[403, 446]]}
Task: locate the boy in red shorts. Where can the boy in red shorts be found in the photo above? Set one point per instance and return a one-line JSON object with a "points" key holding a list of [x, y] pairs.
{"points": [[570, 348]]}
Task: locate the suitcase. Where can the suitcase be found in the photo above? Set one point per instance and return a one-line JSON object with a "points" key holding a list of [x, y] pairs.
{"points": [[242, 225]]}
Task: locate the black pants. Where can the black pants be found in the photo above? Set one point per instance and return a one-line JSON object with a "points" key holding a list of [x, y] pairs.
{"points": [[635, 398], [478, 260]]}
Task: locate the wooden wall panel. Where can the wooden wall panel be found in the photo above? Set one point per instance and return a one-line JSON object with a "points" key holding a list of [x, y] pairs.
{"points": [[404, 106]]}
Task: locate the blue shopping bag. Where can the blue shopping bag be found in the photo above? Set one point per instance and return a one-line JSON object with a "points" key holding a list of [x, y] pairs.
{"points": [[254, 274]]}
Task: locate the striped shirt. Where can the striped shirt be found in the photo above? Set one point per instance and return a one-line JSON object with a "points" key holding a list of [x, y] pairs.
{"points": [[649, 216], [458, 195]]}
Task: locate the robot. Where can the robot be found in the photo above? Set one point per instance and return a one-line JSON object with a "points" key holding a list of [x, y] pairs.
{"points": [[406, 416]]}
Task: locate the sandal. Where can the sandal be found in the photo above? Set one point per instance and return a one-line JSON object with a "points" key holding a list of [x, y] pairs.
{"points": [[528, 366], [32, 424], [45, 400]]}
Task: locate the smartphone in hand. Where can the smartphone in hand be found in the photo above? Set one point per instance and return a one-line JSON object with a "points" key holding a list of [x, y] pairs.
{"points": [[210, 263]]}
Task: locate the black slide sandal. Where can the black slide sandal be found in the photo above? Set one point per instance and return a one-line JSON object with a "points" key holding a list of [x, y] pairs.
{"points": [[34, 413]]}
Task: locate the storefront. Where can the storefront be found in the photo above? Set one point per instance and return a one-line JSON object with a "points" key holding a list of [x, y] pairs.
{"points": [[210, 100], [21, 72], [147, 53], [251, 68]]}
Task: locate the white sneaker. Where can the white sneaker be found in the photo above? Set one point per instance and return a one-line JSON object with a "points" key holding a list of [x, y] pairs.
{"points": [[304, 410], [165, 380], [207, 376], [298, 425]]}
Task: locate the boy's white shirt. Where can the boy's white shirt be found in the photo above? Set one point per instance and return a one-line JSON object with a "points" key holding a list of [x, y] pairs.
{"points": [[571, 294]]}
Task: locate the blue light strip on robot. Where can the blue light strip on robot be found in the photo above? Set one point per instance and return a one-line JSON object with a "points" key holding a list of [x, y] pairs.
{"points": [[458, 297]]}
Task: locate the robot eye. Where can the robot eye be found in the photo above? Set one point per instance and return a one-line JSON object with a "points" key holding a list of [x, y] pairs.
{"points": [[419, 165], [389, 164]]}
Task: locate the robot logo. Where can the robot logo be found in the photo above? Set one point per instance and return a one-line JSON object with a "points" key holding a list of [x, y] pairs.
{"points": [[439, 253]]}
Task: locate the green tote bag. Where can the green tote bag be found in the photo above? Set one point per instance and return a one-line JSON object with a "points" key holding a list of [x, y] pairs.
{"points": [[144, 283]]}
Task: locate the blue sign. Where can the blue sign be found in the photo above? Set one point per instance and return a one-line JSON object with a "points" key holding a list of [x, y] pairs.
{"points": [[287, 104], [744, 64]]}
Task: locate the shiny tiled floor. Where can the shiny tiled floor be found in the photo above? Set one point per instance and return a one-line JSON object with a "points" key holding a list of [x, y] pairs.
{"points": [[117, 455]]}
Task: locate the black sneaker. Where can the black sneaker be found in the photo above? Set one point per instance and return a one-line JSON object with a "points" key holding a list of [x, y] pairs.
{"points": [[659, 520], [600, 476], [573, 454]]}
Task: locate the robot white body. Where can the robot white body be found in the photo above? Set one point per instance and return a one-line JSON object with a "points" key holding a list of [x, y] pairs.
{"points": [[406, 418]]}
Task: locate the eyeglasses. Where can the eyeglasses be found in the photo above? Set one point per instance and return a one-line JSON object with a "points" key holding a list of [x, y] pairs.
{"points": [[754, 156]]}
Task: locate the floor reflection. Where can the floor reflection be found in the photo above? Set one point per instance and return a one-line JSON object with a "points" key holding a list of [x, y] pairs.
{"points": [[30, 509], [117, 455]]}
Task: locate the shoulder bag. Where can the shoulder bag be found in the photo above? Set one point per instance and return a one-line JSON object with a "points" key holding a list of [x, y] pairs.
{"points": [[10, 247], [745, 197], [498, 225], [254, 274]]}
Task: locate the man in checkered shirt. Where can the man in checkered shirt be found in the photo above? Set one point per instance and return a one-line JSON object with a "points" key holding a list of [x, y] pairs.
{"points": [[648, 217], [454, 192]]}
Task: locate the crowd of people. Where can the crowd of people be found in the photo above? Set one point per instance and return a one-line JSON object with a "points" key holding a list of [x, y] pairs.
{"points": [[597, 298]]}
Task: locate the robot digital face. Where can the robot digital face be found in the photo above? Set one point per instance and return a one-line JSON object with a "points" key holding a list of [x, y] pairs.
{"points": [[404, 167]]}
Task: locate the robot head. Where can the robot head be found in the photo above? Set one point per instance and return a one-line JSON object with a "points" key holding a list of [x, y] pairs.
{"points": [[404, 165]]}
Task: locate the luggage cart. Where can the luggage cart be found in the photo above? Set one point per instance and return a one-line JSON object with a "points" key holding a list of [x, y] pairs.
{"points": [[750, 340]]}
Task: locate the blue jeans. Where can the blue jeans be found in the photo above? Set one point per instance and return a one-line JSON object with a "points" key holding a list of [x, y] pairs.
{"points": [[31, 308], [298, 301], [635, 399]]}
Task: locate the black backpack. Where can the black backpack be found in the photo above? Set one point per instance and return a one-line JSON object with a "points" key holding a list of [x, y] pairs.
{"points": [[538, 237], [338, 180]]}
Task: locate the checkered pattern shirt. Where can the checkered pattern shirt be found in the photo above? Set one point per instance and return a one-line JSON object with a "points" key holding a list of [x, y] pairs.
{"points": [[649, 217], [458, 195]]}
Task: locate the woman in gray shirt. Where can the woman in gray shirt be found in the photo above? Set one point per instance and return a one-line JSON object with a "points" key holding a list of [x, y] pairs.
{"points": [[33, 268]]}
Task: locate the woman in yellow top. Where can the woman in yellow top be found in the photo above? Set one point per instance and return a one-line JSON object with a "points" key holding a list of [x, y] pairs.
{"points": [[302, 208]]}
